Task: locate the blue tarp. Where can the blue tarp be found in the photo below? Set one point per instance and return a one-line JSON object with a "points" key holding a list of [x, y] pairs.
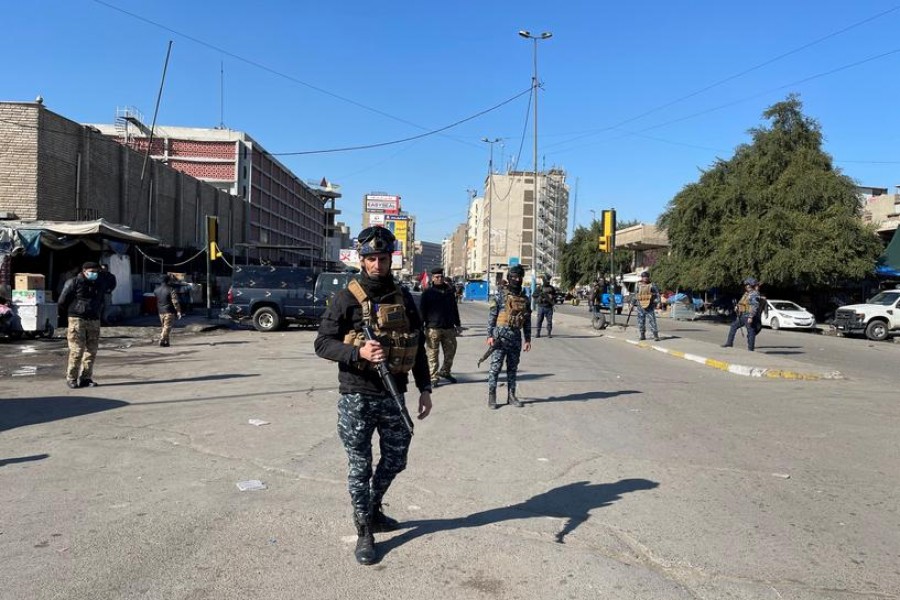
{"points": [[476, 290]]}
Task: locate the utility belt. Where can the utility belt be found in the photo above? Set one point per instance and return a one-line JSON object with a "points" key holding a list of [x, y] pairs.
{"points": [[392, 328]]}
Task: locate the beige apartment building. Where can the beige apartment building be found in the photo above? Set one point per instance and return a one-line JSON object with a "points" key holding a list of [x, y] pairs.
{"points": [[522, 231]]}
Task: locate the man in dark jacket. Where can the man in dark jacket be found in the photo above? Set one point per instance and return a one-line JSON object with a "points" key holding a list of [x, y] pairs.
{"points": [[365, 405], [81, 300], [168, 306], [441, 316], [546, 302]]}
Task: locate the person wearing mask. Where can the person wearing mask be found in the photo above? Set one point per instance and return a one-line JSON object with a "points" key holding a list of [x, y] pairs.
{"points": [[441, 317], [168, 306], [81, 300], [546, 302], [365, 405], [509, 318]]}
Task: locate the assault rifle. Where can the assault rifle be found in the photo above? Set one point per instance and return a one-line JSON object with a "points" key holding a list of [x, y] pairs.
{"points": [[488, 352], [388, 379]]}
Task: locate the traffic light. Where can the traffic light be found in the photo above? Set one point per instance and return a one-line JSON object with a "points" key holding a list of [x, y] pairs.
{"points": [[609, 227], [603, 244]]}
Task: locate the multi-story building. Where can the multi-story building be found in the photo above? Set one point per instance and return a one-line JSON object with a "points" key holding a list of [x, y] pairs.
{"points": [[524, 231], [454, 252], [427, 255], [286, 219]]}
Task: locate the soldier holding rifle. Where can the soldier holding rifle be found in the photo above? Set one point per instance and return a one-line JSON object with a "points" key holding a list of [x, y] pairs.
{"points": [[366, 404]]}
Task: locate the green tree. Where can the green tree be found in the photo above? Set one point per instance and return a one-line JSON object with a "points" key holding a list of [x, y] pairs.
{"points": [[580, 259], [778, 210]]}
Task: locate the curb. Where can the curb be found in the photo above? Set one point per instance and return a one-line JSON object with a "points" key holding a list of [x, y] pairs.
{"points": [[737, 369]]}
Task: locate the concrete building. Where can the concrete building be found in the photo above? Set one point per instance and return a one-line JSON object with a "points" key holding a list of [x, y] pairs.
{"points": [[882, 210], [54, 169], [428, 255], [454, 253], [476, 263], [522, 231], [287, 219]]}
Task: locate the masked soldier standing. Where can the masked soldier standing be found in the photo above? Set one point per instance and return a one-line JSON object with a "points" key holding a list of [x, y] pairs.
{"points": [[546, 302], [646, 299], [81, 300], [509, 318], [365, 405], [746, 311], [441, 316]]}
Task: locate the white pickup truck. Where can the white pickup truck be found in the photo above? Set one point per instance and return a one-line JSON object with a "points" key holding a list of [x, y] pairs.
{"points": [[878, 318]]}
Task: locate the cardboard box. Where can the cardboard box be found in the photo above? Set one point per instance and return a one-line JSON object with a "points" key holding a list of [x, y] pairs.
{"points": [[28, 297], [29, 281]]}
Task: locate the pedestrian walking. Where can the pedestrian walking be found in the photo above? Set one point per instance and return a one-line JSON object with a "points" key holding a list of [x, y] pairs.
{"points": [[108, 282], [365, 405], [745, 315], [546, 302], [441, 317], [168, 306], [645, 299], [509, 319], [81, 300]]}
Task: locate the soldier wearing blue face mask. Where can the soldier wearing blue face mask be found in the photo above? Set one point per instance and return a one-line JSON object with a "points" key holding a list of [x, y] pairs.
{"points": [[82, 300]]}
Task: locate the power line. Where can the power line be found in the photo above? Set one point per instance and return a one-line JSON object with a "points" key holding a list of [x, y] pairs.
{"points": [[407, 139], [765, 63]]}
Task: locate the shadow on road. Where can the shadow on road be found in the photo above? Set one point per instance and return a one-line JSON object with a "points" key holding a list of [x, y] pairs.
{"points": [[21, 459], [573, 502], [185, 379], [583, 396], [21, 412]]}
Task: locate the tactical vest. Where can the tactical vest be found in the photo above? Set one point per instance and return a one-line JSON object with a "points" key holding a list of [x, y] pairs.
{"points": [[645, 294], [513, 312], [392, 328], [743, 305]]}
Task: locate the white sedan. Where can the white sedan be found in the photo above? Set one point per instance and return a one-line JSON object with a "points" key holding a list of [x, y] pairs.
{"points": [[779, 314]]}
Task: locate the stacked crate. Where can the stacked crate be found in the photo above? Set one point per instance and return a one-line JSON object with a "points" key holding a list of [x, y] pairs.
{"points": [[32, 303]]}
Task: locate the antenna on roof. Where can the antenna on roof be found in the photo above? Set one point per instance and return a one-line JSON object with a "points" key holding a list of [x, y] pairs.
{"points": [[222, 95]]}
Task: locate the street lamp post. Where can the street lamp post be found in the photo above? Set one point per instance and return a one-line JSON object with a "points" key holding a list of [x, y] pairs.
{"points": [[489, 192], [534, 86]]}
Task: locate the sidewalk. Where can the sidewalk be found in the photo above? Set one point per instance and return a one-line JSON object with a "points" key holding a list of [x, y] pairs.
{"points": [[736, 360]]}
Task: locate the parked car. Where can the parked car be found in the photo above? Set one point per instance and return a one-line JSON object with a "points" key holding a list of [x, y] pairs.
{"points": [[878, 318], [273, 297], [784, 314]]}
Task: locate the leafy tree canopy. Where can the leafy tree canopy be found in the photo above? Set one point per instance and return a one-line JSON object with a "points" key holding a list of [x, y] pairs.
{"points": [[777, 210], [580, 260]]}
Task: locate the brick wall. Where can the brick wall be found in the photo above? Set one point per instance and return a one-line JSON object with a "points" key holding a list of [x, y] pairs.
{"points": [[40, 179], [18, 159]]}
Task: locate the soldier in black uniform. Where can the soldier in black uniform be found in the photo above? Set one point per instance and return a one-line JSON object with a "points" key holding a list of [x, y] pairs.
{"points": [[546, 302], [509, 319], [441, 317], [365, 405]]}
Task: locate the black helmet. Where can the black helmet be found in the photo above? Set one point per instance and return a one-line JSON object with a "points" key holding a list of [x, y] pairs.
{"points": [[375, 240], [517, 270], [750, 281], [645, 274]]}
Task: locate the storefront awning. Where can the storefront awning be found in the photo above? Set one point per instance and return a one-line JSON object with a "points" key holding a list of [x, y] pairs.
{"points": [[26, 237]]}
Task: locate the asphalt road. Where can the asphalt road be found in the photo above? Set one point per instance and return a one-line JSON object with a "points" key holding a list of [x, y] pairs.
{"points": [[629, 474]]}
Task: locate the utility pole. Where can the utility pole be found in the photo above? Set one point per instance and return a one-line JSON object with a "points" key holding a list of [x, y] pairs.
{"points": [[489, 193]]}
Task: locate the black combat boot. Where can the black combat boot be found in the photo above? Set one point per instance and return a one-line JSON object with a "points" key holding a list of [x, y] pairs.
{"points": [[492, 400], [365, 541], [511, 399], [381, 523]]}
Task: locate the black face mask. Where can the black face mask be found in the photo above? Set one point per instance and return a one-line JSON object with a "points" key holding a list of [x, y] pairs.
{"points": [[515, 282]]}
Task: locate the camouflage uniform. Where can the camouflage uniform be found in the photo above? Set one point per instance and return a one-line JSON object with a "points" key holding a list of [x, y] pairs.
{"points": [[746, 313], [81, 301], [546, 302], [507, 341], [645, 299], [168, 306]]}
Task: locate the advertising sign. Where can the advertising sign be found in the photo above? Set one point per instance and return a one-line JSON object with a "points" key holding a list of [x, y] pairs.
{"points": [[383, 203], [349, 256], [376, 219], [399, 226]]}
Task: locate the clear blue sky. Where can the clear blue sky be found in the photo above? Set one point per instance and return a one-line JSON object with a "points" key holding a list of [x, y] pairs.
{"points": [[618, 110]]}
